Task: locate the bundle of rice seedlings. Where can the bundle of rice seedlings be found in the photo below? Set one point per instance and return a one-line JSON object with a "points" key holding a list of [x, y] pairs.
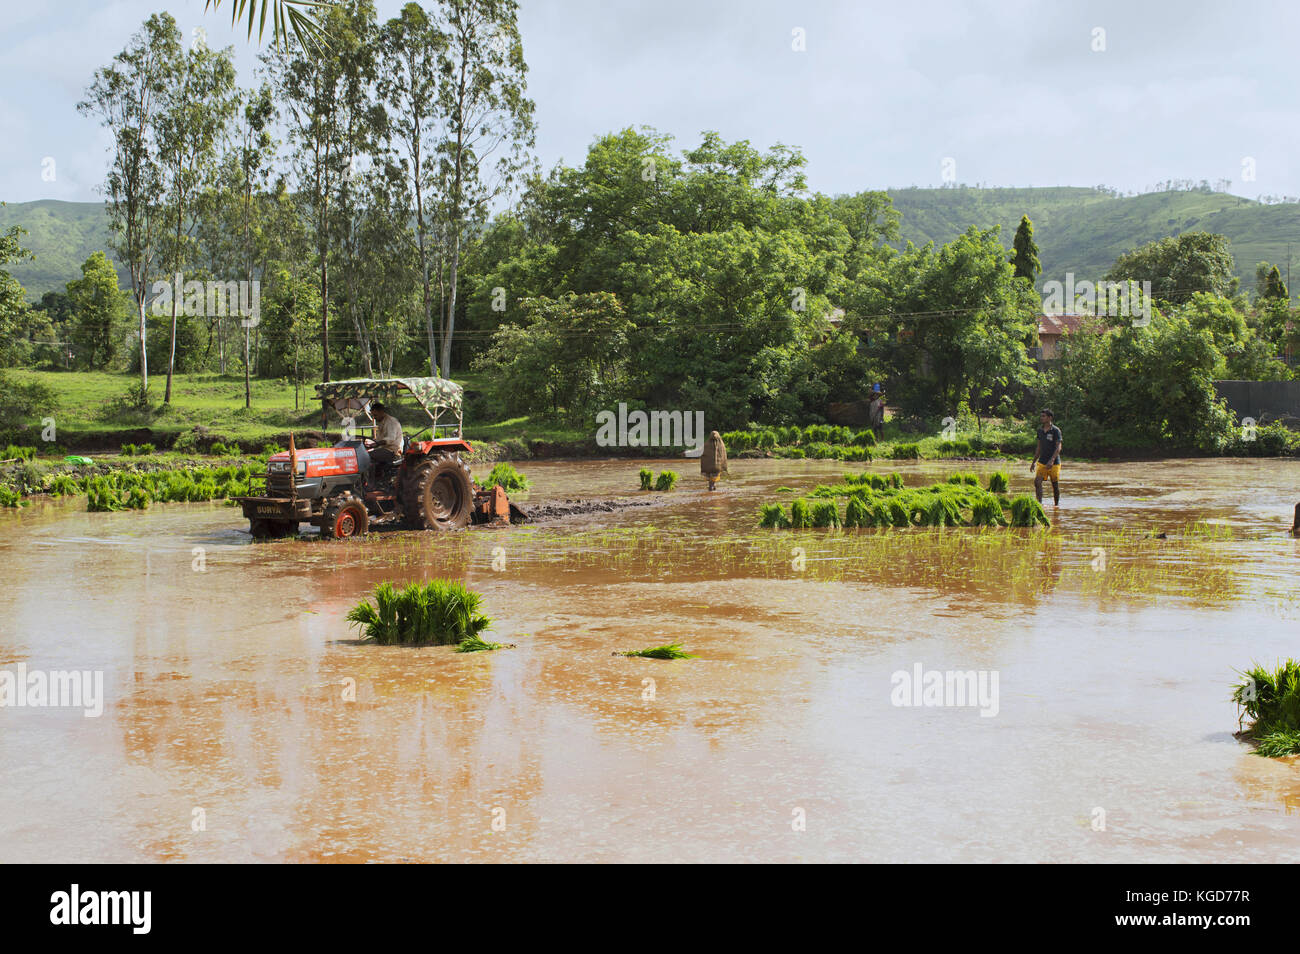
{"points": [[825, 514], [800, 518], [858, 514], [437, 613], [943, 511], [766, 440], [773, 516], [864, 439], [1271, 699], [647, 477], [785, 490], [671, 651], [818, 450], [472, 644], [1027, 512], [505, 476], [666, 480], [906, 452], [999, 481], [964, 477], [788, 435], [986, 511]]}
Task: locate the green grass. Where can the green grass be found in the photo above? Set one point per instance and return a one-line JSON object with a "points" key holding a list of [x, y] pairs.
{"points": [[670, 651], [1270, 698], [437, 613]]}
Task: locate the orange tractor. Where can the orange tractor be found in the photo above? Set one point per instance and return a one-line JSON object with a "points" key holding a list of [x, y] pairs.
{"points": [[342, 491]]}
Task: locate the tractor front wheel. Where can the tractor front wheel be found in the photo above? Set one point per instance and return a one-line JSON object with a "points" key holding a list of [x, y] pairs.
{"points": [[345, 518], [439, 495]]}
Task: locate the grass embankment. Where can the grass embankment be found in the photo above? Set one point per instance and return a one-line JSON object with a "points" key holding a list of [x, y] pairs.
{"points": [[878, 500], [1271, 699]]}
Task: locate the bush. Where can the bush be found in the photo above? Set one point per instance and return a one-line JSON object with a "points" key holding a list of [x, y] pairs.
{"points": [[647, 477], [437, 613], [666, 480], [186, 443], [503, 475], [1271, 698]]}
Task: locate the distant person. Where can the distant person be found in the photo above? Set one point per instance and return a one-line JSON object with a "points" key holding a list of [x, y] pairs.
{"points": [[1295, 524], [713, 461], [1047, 457], [876, 412], [387, 435]]}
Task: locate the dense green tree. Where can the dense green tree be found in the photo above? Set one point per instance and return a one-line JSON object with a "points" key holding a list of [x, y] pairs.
{"points": [[1024, 253], [1179, 266], [97, 313]]}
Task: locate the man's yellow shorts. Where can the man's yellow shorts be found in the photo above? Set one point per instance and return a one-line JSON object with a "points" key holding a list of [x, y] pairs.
{"points": [[1048, 473]]}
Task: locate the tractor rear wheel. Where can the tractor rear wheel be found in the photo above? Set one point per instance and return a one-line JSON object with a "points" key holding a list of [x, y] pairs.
{"points": [[439, 494], [346, 517]]}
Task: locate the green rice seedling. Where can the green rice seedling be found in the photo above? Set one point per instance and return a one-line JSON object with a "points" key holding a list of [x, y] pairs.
{"points": [[138, 499], [270, 450], [766, 440], [858, 454], [773, 516], [1271, 699], [504, 475], [738, 440], [818, 450], [128, 450], [1027, 512], [666, 480], [791, 453], [864, 439], [964, 477], [472, 644], [906, 452], [858, 514], [647, 478], [437, 613], [999, 481], [785, 490], [815, 433], [65, 485], [144, 450], [670, 651], [943, 511], [986, 511], [800, 517], [788, 435], [825, 514], [954, 448]]}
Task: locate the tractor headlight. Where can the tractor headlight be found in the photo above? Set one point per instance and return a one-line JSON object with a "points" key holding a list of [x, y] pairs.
{"points": [[278, 467]]}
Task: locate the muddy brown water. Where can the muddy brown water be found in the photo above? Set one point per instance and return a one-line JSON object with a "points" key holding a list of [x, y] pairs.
{"points": [[244, 722]]}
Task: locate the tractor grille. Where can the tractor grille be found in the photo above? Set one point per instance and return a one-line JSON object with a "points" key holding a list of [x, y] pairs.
{"points": [[279, 485]]}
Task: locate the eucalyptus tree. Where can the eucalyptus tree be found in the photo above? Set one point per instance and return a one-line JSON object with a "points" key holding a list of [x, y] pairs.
{"points": [[412, 47], [317, 90], [198, 101], [488, 124], [128, 97]]}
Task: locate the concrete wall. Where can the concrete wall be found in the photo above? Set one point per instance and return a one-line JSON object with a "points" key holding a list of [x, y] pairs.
{"points": [[1263, 400]]}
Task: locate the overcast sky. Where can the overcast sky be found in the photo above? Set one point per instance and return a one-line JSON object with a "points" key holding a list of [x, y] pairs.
{"points": [[1013, 93]]}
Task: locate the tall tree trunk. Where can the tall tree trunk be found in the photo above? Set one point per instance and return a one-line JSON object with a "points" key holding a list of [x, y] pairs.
{"points": [[248, 388], [451, 304], [144, 352]]}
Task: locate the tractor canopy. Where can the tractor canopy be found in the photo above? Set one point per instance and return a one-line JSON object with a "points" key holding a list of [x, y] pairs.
{"points": [[435, 395]]}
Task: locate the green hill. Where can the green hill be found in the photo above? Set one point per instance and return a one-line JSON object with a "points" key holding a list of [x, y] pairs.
{"points": [[1083, 230], [1080, 230]]}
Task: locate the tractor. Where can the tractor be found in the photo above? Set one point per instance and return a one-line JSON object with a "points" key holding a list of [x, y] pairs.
{"points": [[341, 490]]}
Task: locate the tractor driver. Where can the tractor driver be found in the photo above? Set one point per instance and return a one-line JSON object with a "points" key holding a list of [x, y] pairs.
{"points": [[387, 436]]}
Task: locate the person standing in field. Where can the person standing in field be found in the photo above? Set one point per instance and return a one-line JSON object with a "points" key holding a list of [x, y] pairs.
{"points": [[1047, 457], [713, 461], [876, 412]]}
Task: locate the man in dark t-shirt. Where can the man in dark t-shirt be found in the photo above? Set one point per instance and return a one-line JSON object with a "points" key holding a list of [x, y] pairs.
{"points": [[1047, 457]]}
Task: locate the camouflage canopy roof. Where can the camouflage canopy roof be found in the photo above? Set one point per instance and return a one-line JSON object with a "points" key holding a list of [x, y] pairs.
{"points": [[430, 392]]}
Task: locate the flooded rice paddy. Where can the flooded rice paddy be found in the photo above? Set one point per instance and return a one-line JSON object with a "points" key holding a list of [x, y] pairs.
{"points": [[243, 721]]}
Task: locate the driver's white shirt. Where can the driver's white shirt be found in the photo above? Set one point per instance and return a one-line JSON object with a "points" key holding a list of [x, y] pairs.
{"points": [[388, 434]]}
